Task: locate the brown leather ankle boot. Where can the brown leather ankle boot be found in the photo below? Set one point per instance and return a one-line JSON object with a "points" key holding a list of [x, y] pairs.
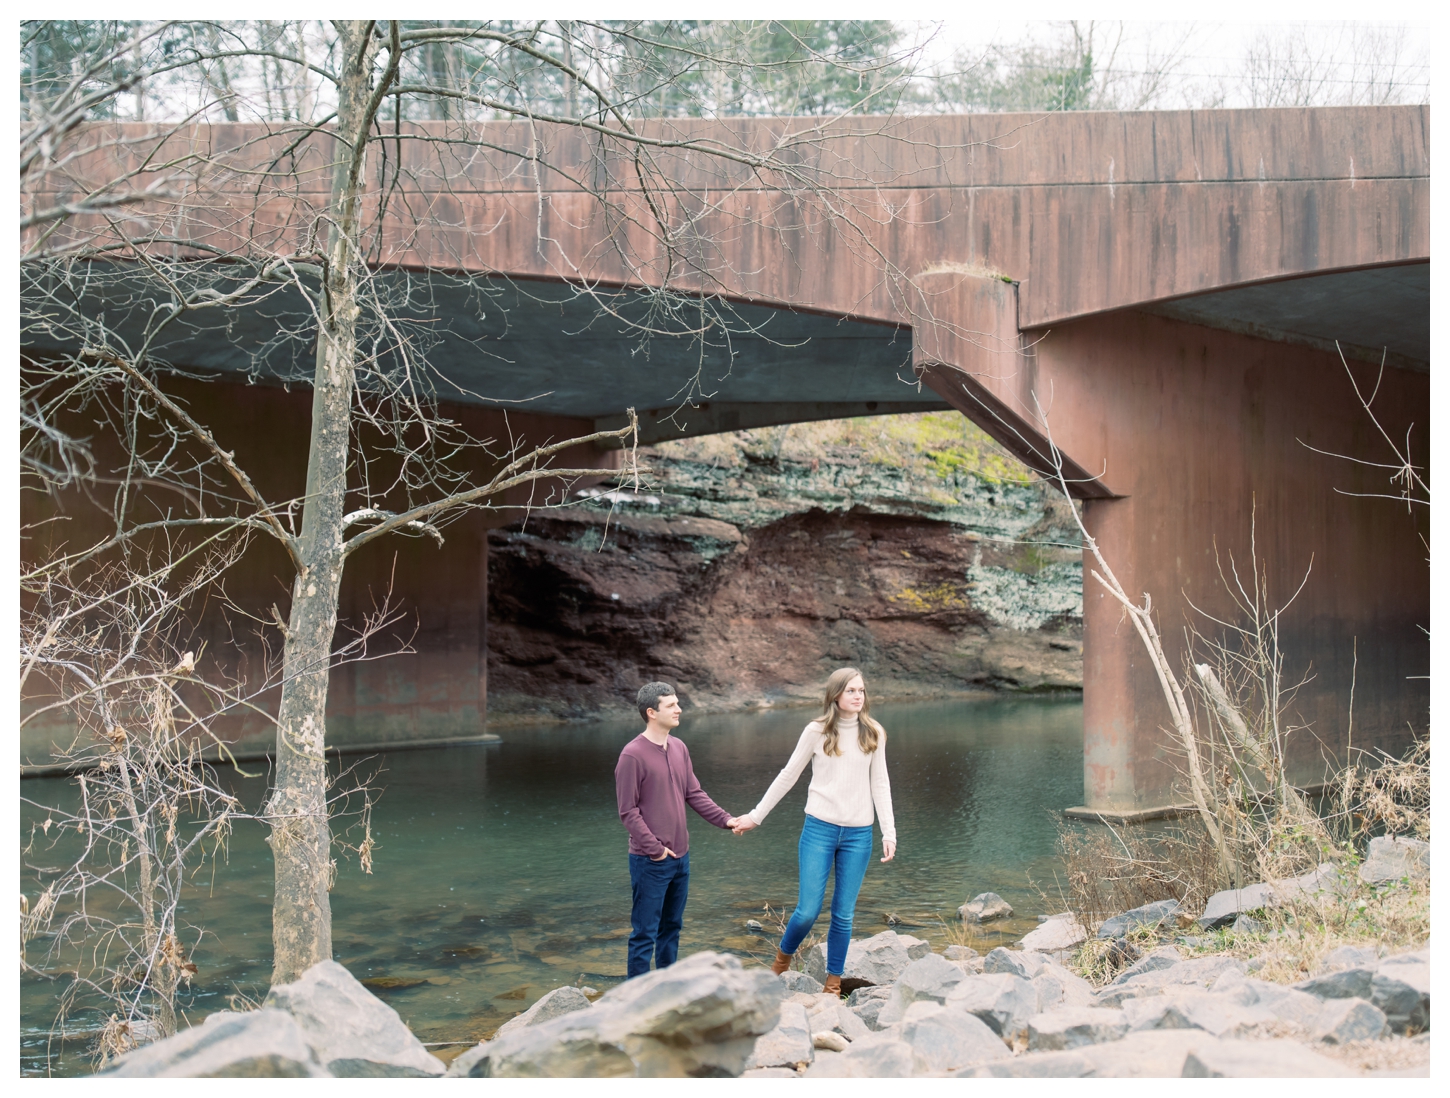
{"points": [[833, 985], [782, 962]]}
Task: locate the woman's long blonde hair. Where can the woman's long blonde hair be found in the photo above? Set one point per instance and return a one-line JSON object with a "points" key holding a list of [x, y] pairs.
{"points": [[868, 733]]}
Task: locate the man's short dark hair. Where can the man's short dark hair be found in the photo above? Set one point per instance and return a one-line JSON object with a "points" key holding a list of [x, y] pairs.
{"points": [[649, 697]]}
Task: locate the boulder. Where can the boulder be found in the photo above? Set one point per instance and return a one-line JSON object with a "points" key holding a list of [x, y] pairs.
{"points": [[1197, 972], [1152, 914], [1150, 1054], [1392, 859], [1016, 961], [353, 1032], [879, 959], [788, 1044], [948, 1040], [1224, 907], [1058, 933], [1343, 1020], [1194, 1009], [930, 979], [1072, 1027], [882, 1056], [560, 1001], [801, 981], [1003, 1001], [830, 1041], [1247, 924], [1349, 957], [866, 994], [1058, 987], [701, 1016], [1347, 983], [1160, 958], [1290, 1006], [869, 1011], [260, 1044], [1401, 988], [959, 953], [1278, 1059], [984, 907]]}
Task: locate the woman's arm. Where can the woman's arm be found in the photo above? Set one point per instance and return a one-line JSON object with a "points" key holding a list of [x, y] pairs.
{"points": [[881, 795], [787, 777]]}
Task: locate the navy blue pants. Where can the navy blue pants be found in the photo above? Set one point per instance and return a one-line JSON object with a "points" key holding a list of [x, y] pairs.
{"points": [[659, 891]]}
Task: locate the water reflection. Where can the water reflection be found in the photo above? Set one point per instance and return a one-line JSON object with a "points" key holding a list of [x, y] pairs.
{"points": [[501, 871]]}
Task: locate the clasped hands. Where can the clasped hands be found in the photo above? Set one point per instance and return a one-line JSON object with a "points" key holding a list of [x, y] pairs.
{"points": [[741, 824]]}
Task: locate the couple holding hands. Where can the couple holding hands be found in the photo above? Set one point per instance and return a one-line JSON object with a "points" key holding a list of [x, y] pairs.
{"points": [[654, 781]]}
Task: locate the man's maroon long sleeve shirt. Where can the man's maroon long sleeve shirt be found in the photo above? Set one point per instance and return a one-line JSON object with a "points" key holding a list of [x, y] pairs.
{"points": [[653, 785]]}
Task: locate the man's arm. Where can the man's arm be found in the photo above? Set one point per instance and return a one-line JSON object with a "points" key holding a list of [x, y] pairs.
{"points": [[627, 774], [700, 801]]}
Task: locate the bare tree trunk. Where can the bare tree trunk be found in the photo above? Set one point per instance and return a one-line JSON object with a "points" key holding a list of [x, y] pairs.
{"points": [[301, 837]]}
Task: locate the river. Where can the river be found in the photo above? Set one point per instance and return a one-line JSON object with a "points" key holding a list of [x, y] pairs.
{"points": [[501, 871]]}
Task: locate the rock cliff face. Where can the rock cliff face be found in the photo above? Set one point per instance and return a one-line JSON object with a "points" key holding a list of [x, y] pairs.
{"points": [[745, 567]]}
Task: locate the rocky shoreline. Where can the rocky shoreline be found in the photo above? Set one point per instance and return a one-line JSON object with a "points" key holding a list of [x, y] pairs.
{"points": [[909, 1012], [745, 567]]}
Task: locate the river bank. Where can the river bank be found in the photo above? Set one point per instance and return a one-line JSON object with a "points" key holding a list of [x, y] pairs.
{"points": [[745, 567]]}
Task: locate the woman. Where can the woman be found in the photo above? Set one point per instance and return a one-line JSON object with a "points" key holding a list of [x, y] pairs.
{"points": [[847, 753]]}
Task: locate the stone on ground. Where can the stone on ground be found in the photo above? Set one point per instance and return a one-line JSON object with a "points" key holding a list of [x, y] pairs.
{"points": [[1289, 1005], [984, 907], [1343, 1020], [830, 1041], [959, 953], [1003, 1001], [1197, 972], [260, 1044], [1016, 961], [1348, 956], [800, 981], [1279, 1059], [930, 979], [836, 1017], [1391, 859], [1152, 914], [560, 1001], [1160, 958], [1182, 1008], [1347, 983], [1058, 986], [947, 1040], [1224, 907], [788, 1044], [1073, 1027], [882, 1056], [1401, 988], [1058, 933], [1050, 1065], [699, 1017], [879, 959], [353, 1032]]}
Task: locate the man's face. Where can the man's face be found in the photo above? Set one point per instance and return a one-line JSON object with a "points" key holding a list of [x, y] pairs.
{"points": [[667, 713]]}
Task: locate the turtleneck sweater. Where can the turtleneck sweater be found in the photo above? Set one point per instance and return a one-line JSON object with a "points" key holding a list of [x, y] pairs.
{"points": [[844, 788]]}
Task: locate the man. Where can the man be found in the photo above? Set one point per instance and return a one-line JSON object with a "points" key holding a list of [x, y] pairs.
{"points": [[653, 781]]}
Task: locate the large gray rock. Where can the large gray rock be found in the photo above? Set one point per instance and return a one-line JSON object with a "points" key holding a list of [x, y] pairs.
{"points": [[1392, 859], [1016, 961], [948, 1040], [1344, 1020], [1003, 1001], [1280, 1059], [353, 1032], [1058, 987], [1348, 956], [260, 1044], [788, 1044], [1058, 933], [1347, 983], [879, 959], [1289, 1005], [930, 979], [1401, 988], [1183, 1008], [959, 953], [1225, 907], [984, 907], [800, 981], [554, 1004], [1153, 914], [701, 1016], [1196, 972], [829, 1015], [1160, 958], [882, 1056], [1073, 1027]]}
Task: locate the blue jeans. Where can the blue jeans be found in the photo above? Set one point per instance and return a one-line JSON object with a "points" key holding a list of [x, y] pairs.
{"points": [[659, 891], [823, 845]]}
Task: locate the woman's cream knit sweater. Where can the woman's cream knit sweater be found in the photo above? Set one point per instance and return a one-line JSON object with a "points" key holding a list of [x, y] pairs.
{"points": [[844, 788]]}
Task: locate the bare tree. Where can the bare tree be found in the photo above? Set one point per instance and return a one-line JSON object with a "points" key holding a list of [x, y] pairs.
{"points": [[142, 241]]}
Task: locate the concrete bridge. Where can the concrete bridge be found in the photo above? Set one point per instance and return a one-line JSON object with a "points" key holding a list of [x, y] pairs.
{"points": [[1158, 294]]}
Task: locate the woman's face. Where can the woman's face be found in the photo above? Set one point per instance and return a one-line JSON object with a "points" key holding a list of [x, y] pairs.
{"points": [[853, 698]]}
